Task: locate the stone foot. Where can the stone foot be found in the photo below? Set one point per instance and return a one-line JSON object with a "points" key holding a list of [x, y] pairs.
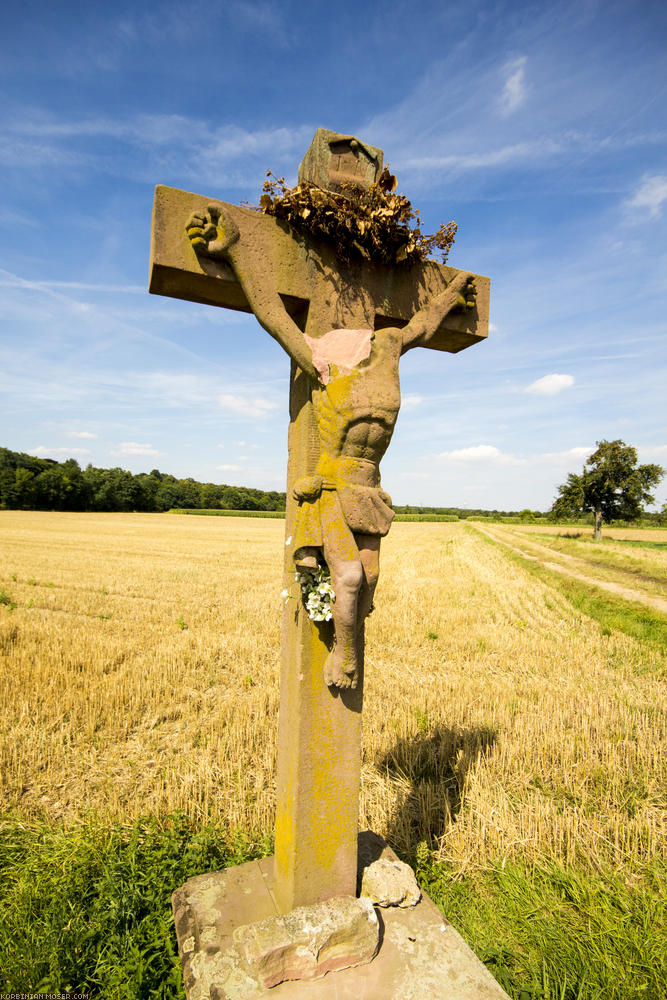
{"points": [[337, 675]]}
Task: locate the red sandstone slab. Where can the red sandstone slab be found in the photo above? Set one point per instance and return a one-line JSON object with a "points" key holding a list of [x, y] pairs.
{"points": [[421, 956]]}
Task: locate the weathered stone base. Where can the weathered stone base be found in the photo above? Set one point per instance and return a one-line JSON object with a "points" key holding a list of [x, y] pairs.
{"points": [[421, 956], [310, 941]]}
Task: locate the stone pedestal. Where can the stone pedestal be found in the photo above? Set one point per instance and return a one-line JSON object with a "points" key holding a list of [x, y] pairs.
{"points": [[420, 957]]}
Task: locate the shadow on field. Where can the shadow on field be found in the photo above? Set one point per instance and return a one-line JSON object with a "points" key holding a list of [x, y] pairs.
{"points": [[429, 773]]}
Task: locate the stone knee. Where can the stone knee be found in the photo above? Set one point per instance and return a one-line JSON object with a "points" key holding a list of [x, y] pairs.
{"points": [[346, 578], [349, 576]]}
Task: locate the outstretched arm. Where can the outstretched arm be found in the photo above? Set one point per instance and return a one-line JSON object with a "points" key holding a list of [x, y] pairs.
{"points": [[215, 235], [460, 292]]}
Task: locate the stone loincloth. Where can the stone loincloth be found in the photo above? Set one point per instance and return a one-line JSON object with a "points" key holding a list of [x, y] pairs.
{"points": [[342, 490]]}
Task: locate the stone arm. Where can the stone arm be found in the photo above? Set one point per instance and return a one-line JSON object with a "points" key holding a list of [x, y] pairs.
{"points": [[216, 235], [460, 293]]}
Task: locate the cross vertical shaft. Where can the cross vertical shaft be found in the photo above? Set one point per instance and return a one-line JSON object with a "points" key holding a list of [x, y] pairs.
{"points": [[319, 730]]}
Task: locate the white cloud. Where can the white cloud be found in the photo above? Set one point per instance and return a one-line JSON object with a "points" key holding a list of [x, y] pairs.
{"points": [[43, 452], [550, 385], [411, 400], [252, 407], [83, 286], [653, 453], [483, 454], [529, 154], [228, 468], [514, 91], [134, 448], [567, 459], [518, 152], [82, 434], [650, 195]]}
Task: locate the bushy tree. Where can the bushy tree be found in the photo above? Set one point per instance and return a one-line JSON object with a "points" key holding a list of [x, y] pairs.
{"points": [[611, 485], [31, 483]]}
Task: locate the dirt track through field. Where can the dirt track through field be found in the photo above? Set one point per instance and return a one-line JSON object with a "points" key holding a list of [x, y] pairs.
{"points": [[568, 567]]}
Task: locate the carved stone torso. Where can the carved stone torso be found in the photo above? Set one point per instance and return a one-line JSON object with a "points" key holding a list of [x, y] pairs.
{"points": [[356, 410]]}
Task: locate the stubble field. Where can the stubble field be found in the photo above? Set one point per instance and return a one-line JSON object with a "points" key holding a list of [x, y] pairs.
{"points": [[139, 677]]}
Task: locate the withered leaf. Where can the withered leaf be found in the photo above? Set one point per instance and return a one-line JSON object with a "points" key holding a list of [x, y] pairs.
{"points": [[374, 224]]}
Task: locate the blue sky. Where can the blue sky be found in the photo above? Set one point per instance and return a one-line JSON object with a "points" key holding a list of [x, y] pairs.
{"points": [[540, 128]]}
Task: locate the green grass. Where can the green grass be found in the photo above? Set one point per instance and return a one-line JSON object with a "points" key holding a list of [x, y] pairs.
{"points": [[212, 512], [88, 909], [588, 540], [6, 600], [552, 934], [638, 543], [281, 513], [605, 553], [632, 542], [613, 613], [426, 517]]}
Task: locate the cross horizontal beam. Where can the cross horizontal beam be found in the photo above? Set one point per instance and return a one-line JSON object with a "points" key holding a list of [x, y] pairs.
{"points": [[395, 293]]}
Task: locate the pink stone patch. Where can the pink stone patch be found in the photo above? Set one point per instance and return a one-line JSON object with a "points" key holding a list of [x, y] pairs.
{"points": [[344, 348]]}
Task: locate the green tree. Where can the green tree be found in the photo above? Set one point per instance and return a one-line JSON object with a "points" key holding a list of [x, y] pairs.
{"points": [[611, 485]]}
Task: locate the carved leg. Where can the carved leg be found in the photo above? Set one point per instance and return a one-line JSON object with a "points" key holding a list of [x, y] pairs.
{"points": [[347, 577], [369, 553], [341, 668]]}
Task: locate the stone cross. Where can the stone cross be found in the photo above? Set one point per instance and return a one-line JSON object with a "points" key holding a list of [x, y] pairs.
{"points": [[344, 326]]}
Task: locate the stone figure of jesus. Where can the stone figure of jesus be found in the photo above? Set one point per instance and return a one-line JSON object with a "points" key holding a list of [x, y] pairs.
{"points": [[343, 511]]}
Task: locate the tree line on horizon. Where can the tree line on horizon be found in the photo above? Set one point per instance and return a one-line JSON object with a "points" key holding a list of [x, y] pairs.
{"points": [[28, 482], [31, 483]]}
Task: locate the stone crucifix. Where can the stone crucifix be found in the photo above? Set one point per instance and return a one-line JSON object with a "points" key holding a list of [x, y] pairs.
{"points": [[345, 327]]}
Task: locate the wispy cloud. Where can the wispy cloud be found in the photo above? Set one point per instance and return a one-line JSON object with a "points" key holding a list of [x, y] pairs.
{"points": [[550, 385], [518, 152], [249, 16], [150, 145], [487, 454], [134, 448], [42, 451], [259, 15], [411, 400], [576, 454], [82, 434], [653, 453], [480, 454], [515, 89], [228, 468], [650, 196], [251, 407]]}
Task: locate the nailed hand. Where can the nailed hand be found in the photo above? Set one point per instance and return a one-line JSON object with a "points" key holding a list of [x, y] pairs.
{"points": [[213, 232], [467, 298]]}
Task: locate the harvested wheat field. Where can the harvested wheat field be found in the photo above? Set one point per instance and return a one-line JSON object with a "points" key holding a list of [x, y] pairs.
{"points": [[139, 676]]}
